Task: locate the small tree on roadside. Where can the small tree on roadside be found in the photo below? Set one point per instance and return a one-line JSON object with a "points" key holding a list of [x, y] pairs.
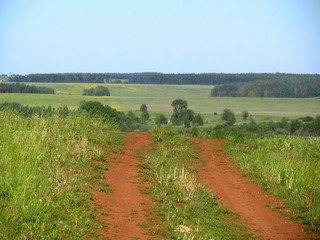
{"points": [[161, 119], [179, 114], [188, 116], [229, 117], [295, 126], [245, 115], [198, 120], [144, 113]]}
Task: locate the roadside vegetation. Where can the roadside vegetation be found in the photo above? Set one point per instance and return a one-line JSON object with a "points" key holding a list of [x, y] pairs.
{"points": [[47, 172], [287, 167]]}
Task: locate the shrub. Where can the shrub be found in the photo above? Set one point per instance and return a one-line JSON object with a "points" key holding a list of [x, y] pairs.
{"points": [[161, 119], [228, 116], [97, 91]]}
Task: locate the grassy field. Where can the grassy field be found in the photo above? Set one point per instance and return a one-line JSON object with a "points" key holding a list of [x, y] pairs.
{"points": [[125, 97], [46, 174]]}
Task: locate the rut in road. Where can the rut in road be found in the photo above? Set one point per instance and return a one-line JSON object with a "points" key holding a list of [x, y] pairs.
{"points": [[125, 209], [238, 194]]}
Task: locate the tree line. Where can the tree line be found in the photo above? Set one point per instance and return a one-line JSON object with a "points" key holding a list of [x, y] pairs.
{"points": [[181, 116], [304, 126], [159, 78], [296, 88], [23, 88]]}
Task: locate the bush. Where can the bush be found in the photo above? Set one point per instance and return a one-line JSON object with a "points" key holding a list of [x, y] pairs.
{"points": [[228, 116], [245, 115], [161, 119], [198, 120], [106, 112], [97, 91]]}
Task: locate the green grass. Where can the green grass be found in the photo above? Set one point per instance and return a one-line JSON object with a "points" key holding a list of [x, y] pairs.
{"points": [[45, 166], [288, 167], [180, 199], [158, 98]]}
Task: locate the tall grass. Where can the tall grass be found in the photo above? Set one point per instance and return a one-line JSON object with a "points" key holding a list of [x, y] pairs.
{"points": [[287, 166], [181, 200], [44, 184]]}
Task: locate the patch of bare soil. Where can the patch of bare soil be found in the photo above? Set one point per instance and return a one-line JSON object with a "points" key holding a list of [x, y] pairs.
{"points": [[238, 194], [124, 211]]}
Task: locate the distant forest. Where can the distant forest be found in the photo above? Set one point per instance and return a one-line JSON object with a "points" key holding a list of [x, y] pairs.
{"points": [[296, 88], [23, 88], [161, 78]]}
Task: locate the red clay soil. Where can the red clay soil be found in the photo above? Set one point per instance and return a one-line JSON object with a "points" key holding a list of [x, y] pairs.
{"points": [[125, 209], [239, 195]]}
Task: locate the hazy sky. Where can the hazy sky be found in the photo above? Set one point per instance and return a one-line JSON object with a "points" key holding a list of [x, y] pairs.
{"points": [[44, 36]]}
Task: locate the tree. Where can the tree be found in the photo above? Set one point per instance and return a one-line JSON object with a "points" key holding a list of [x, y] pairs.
{"points": [[144, 113], [132, 121], [198, 120], [228, 116], [97, 108], [179, 111], [245, 115], [63, 111], [161, 119], [316, 125], [181, 114], [295, 126], [23, 88], [188, 116]]}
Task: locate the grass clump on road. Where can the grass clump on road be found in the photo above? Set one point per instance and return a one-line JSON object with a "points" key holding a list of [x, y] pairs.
{"points": [[188, 210], [44, 184], [288, 167]]}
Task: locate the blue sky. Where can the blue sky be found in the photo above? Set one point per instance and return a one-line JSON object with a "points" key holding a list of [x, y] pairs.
{"points": [[170, 36]]}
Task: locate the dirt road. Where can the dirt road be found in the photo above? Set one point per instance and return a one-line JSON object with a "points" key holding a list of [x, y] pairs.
{"points": [[241, 196], [124, 211]]}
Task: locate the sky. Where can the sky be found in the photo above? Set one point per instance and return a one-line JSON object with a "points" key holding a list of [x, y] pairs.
{"points": [[169, 36]]}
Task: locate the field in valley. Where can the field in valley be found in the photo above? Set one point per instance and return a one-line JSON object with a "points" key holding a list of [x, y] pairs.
{"points": [[171, 178], [158, 98]]}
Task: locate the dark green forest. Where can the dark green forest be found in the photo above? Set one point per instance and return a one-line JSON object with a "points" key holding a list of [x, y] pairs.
{"points": [[23, 88], [295, 88], [161, 78]]}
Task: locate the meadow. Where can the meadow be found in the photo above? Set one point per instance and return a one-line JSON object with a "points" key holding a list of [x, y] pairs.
{"points": [[46, 162], [158, 98]]}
